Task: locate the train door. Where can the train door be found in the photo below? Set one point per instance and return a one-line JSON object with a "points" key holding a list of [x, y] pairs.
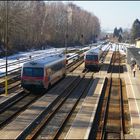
{"points": [[59, 69], [47, 77], [52, 74]]}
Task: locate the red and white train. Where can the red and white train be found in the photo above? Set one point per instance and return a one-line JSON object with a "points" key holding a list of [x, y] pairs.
{"points": [[92, 58], [44, 72]]}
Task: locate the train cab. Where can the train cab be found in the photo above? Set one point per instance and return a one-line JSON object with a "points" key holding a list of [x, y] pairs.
{"points": [[92, 58], [42, 73]]}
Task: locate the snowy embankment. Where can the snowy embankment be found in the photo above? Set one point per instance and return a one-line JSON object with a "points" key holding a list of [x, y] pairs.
{"points": [[19, 58]]}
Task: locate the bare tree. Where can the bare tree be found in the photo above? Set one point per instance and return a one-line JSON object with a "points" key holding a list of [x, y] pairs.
{"points": [[32, 24]]}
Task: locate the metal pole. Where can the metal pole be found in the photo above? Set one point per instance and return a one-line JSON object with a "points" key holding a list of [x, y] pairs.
{"points": [[66, 36], [69, 18], [6, 46], [66, 42], [82, 39]]}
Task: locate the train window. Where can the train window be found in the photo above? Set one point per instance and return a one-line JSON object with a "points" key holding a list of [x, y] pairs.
{"points": [[38, 72], [34, 72], [53, 69], [27, 71], [92, 57], [56, 67], [60, 65]]}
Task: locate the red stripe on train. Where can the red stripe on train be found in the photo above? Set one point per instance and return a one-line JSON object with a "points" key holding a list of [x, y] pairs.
{"points": [[32, 78], [91, 62]]}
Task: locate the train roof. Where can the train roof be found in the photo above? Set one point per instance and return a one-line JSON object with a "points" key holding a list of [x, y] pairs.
{"points": [[93, 51], [45, 61]]}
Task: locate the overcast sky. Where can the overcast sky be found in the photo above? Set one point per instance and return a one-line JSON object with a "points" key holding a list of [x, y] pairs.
{"points": [[113, 13]]}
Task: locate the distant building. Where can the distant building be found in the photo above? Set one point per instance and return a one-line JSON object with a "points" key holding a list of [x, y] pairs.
{"points": [[138, 42]]}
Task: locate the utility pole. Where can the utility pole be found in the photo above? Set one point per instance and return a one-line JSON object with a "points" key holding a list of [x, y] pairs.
{"points": [[69, 21], [6, 46], [66, 34], [82, 40]]}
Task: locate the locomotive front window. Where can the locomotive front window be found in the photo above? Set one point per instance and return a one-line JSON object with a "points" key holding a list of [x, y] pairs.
{"points": [[33, 72], [92, 57]]}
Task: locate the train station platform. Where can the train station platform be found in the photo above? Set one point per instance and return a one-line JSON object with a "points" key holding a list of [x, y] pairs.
{"points": [[82, 124], [133, 94], [5, 100], [83, 121]]}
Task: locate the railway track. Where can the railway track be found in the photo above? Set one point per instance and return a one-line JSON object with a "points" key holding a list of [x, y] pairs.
{"points": [[18, 69], [114, 128], [2, 75], [25, 59], [73, 89], [14, 78], [18, 105], [113, 120], [13, 109], [14, 75], [53, 123], [65, 105], [105, 53], [15, 106]]}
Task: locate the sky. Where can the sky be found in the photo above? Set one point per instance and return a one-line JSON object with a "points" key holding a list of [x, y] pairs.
{"points": [[112, 14]]}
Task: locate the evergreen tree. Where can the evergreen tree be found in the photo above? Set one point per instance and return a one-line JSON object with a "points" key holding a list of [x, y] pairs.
{"points": [[118, 33], [115, 34], [120, 38], [135, 31], [120, 30]]}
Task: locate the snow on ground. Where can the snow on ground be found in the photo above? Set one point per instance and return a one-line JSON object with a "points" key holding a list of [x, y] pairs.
{"points": [[85, 48], [112, 48], [25, 55], [120, 47], [43, 53], [21, 56], [105, 47]]}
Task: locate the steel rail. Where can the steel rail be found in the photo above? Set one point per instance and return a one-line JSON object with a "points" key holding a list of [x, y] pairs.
{"points": [[102, 128], [57, 106]]}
